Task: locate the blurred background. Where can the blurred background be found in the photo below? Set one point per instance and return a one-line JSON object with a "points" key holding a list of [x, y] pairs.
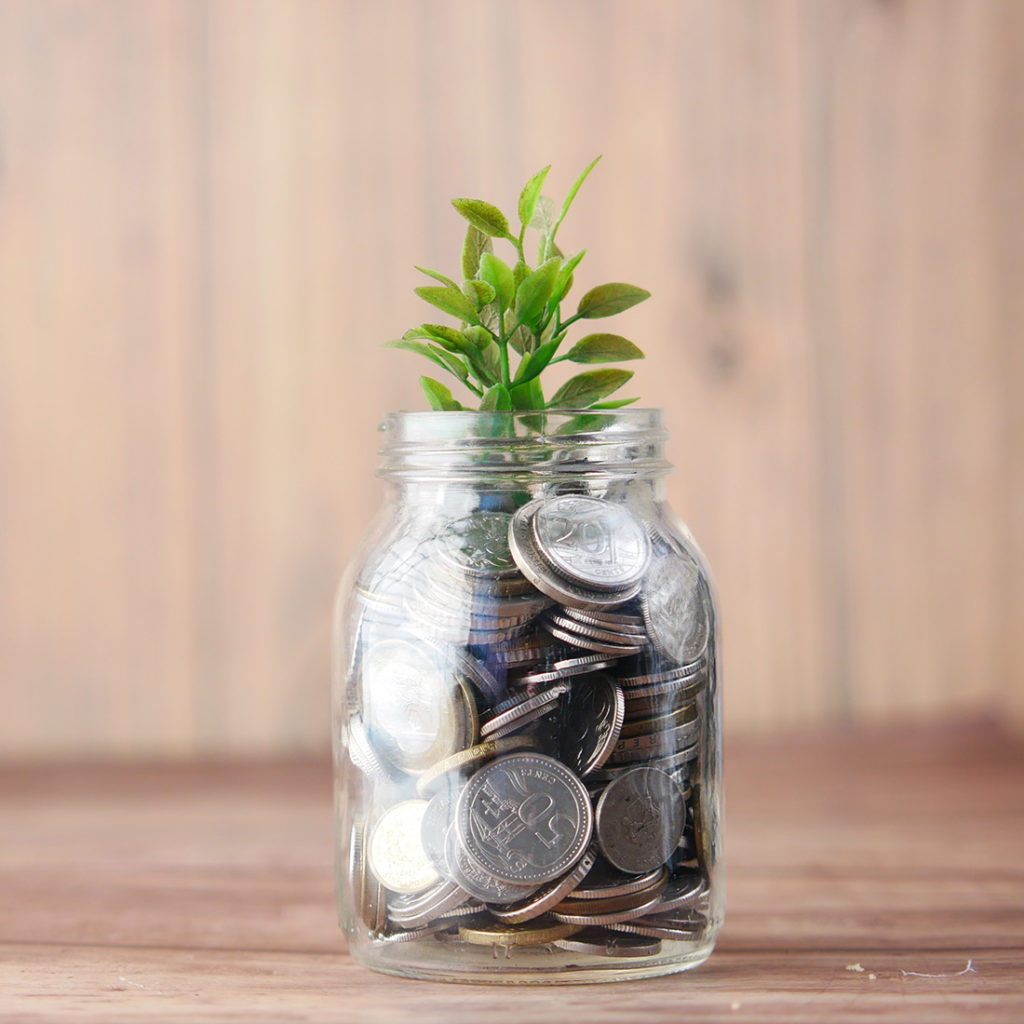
{"points": [[209, 216]]}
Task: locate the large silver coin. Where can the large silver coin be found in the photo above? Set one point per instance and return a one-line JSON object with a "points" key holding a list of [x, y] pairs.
{"points": [[477, 544], [477, 882], [674, 609], [413, 712], [594, 716], [525, 818], [640, 817], [395, 852], [592, 542], [545, 578]]}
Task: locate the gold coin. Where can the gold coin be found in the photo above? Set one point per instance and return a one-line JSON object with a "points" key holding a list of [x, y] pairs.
{"points": [[470, 757], [532, 934]]}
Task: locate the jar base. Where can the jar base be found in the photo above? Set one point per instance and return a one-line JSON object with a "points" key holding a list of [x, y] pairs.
{"points": [[494, 965]]}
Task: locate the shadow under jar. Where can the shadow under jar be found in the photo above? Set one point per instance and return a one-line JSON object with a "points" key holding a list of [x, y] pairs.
{"points": [[527, 741]]}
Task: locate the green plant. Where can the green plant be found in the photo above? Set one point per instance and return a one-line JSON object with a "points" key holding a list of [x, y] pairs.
{"points": [[508, 313]]}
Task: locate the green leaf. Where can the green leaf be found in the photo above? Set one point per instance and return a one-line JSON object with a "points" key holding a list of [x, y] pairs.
{"points": [[608, 299], [533, 294], [479, 337], [438, 395], [603, 348], [448, 300], [478, 292], [496, 399], [521, 339], [438, 276], [528, 197], [615, 403], [564, 281], [572, 194], [451, 338], [586, 388], [490, 359], [534, 362], [487, 218], [498, 274], [527, 395], [451, 363], [543, 218], [476, 244]]}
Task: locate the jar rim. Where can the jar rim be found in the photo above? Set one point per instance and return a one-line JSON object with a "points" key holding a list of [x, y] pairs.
{"points": [[562, 442]]}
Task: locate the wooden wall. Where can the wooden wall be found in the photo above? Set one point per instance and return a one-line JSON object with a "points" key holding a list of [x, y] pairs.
{"points": [[209, 214]]}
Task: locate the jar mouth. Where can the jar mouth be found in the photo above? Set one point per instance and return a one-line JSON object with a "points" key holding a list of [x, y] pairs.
{"points": [[548, 442]]}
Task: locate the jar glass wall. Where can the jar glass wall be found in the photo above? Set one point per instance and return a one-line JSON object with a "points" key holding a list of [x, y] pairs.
{"points": [[526, 708]]}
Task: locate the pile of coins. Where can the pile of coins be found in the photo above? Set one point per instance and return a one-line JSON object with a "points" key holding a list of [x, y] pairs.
{"points": [[527, 707]]}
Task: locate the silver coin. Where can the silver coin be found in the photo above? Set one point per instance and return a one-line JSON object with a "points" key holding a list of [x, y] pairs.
{"points": [[540, 573], [682, 892], [613, 917], [524, 818], [476, 881], [601, 884], [548, 896], [567, 668], [599, 942], [621, 622], [516, 726], [362, 754], [478, 544], [674, 609], [618, 650], [414, 714], [640, 817], [437, 819], [417, 911], [650, 745], [586, 629], [592, 542], [512, 711], [687, 929], [594, 713]]}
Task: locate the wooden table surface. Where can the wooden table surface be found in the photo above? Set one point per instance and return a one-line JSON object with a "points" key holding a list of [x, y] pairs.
{"points": [[876, 875]]}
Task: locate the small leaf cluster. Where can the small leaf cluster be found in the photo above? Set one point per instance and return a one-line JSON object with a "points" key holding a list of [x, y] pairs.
{"points": [[510, 321]]}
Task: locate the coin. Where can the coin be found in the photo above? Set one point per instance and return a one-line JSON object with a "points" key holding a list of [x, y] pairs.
{"points": [[613, 904], [674, 608], [609, 917], [600, 942], [590, 644], [476, 881], [414, 713], [593, 720], [649, 745], [434, 777], [548, 896], [601, 883], [499, 934], [623, 622], [683, 891], [540, 573], [524, 818], [511, 711], [437, 819], [640, 818], [586, 631], [660, 723], [477, 544], [420, 910], [395, 851], [361, 752], [591, 542], [567, 668], [684, 930]]}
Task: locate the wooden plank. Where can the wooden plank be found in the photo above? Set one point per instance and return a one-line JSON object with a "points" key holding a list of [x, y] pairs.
{"points": [[904, 288], [134, 891], [98, 316]]}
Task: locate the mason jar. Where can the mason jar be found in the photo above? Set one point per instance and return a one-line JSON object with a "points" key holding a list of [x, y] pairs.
{"points": [[527, 748]]}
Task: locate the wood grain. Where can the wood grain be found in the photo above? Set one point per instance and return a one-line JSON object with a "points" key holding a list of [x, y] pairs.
{"points": [[203, 892], [208, 218]]}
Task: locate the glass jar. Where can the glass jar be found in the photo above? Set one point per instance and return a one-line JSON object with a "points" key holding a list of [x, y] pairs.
{"points": [[526, 710]]}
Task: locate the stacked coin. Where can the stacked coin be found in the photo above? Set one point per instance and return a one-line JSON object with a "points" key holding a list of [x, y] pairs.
{"points": [[528, 695]]}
